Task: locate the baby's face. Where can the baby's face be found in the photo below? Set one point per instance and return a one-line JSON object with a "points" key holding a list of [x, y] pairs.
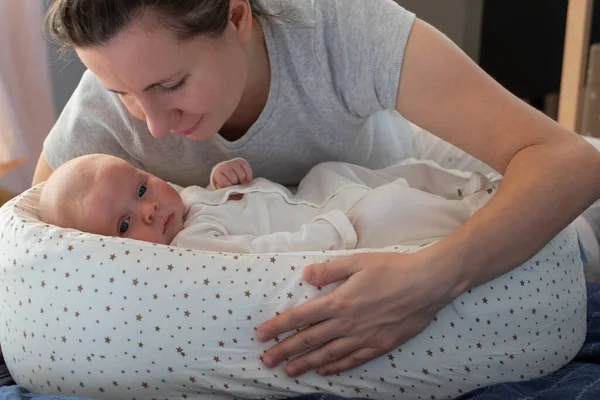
{"points": [[130, 203]]}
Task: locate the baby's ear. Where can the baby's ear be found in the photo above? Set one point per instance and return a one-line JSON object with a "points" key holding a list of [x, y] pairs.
{"points": [[43, 204]]}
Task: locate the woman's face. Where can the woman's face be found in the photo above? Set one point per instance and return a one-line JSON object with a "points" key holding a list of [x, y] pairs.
{"points": [[189, 88]]}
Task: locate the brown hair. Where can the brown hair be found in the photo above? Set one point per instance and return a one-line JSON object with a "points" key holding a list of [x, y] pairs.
{"points": [[87, 23]]}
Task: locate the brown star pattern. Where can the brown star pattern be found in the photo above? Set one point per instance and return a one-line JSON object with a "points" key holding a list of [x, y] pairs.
{"points": [[156, 315]]}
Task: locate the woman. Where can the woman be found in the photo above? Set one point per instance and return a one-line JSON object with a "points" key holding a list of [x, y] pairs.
{"points": [[288, 84]]}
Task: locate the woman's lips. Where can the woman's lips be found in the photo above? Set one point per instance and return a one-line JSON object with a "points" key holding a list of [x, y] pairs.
{"points": [[189, 131]]}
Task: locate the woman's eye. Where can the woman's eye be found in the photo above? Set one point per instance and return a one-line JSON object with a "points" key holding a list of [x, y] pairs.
{"points": [[173, 88], [142, 191], [124, 226]]}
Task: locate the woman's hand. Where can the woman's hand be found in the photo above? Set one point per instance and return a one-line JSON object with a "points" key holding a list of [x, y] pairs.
{"points": [[387, 299]]}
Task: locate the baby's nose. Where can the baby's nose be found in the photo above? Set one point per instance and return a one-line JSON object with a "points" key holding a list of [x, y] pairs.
{"points": [[149, 212]]}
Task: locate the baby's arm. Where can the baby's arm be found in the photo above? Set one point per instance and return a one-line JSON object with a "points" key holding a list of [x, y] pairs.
{"points": [[450, 184], [232, 172], [331, 231]]}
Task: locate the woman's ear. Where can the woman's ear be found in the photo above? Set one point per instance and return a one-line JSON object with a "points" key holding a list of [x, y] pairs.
{"points": [[240, 16]]}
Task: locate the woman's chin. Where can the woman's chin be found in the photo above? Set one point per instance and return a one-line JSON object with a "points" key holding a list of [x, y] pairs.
{"points": [[202, 135], [203, 132]]}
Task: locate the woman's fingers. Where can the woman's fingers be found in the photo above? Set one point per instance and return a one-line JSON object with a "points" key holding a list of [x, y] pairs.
{"points": [[352, 360], [333, 271], [332, 353], [303, 341], [376, 342], [318, 309], [312, 312], [386, 300]]}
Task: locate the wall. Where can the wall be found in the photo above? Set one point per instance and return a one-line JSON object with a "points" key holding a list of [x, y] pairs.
{"points": [[65, 72], [459, 19]]}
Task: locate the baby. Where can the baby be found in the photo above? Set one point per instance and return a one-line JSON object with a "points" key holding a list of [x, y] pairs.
{"points": [[105, 195], [337, 206]]}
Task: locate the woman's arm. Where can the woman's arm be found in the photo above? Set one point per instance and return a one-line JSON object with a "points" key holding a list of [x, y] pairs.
{"points": [[42, 170], [550, 174]]}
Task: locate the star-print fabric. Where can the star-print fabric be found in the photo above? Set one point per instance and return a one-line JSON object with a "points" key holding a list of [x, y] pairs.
{"points": [[109, 318]]}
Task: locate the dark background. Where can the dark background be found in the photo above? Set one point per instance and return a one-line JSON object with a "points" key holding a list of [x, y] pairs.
{"points": [[522, 44]]}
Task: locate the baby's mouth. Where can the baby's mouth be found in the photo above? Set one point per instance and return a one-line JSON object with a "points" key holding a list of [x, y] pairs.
{"points": [[167, 222]]}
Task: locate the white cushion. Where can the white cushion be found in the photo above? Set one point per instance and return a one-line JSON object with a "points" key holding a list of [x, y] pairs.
{"points": [[111, 318]]}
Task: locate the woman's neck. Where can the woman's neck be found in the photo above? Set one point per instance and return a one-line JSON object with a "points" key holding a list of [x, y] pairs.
{"points": [[256, 92]]}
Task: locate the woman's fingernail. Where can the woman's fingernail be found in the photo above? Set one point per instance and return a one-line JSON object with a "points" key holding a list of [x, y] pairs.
{"points": [[291, 371], [306, 274], [262, 336], [267, 360]]}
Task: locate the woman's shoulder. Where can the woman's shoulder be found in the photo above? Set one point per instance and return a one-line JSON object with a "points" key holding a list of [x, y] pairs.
{"points": [[314, 13], [93, 121], [355, 47], [289, 13], [90, 86]]}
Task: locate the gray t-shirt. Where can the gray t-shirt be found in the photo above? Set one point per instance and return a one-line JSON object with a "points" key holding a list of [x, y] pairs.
{"points": [[334, 63]]}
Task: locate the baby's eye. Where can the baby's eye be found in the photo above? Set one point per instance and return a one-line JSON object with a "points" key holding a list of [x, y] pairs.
{"points": [[142, 191], [124, 226]]}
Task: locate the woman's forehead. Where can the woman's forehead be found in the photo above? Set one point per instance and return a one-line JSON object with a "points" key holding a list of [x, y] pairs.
{"points": [[138, 58]]}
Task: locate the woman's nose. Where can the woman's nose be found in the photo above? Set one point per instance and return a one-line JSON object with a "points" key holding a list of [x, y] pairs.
{"points": [[160, 122], [159, 117]]}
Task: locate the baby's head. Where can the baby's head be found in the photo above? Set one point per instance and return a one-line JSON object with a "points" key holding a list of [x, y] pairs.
{"points": [[107, 196]]}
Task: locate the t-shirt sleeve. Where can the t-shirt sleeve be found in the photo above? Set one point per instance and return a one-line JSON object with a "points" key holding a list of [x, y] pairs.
{"points": [[362, 49], [93, 121]]}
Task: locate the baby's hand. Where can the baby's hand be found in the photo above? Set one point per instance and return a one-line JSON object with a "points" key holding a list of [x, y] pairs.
{"points": [[233, 172]]}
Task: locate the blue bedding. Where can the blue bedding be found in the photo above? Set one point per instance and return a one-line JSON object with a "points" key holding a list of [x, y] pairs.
{"points": [[579, 380]]}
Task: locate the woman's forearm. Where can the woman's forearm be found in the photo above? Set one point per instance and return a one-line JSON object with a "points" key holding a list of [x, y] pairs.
{"points": [[544, 188]]}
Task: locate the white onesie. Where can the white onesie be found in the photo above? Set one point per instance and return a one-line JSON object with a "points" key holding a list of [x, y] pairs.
{"points": [[337, 206]]}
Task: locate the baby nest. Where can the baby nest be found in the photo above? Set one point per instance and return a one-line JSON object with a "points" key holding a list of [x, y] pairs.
{"points": [[107, 318]]}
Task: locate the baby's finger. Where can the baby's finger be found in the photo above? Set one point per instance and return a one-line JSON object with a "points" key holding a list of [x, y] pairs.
{"points": [[248, 171], [231, 176], [239, 172], [220, 181]]}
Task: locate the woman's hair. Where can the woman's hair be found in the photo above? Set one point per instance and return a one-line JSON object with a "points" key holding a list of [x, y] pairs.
{"points": [[87, 23]]}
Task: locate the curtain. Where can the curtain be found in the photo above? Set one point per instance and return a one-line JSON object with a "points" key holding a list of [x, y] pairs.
{"points": [[26, 108]]}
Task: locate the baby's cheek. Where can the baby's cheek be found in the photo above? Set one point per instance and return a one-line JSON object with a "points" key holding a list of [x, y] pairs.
{"points": [[150, 234]]}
